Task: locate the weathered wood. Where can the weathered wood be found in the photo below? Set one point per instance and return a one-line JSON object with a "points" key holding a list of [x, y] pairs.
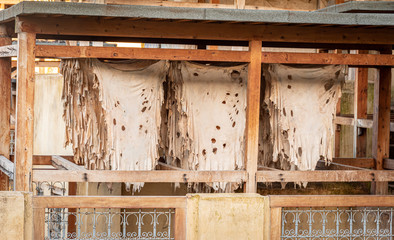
{"points": [[180, 223], [24, 111], [64, 164], [388, 164], [276, 223], [356, 162], [139, 176], [211, 55], [337, 137], [39, 223], [381, 121], [8, 51], [325, 176], [7, 167], [195, 30], [109, 202], [362, 123], [163, 166], [344, 120], [141, 53], [331, 201], [329, 58], [5, 105], [239, 4], [253, 114], [47, 160], [361, 100]]}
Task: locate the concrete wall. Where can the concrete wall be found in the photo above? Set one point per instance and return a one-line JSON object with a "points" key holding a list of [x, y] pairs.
{"points": [[16, 216], [226, 216]]}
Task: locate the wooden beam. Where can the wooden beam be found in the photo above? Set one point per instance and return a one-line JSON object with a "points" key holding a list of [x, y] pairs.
{"points": [[344, 120], [195, 30], [276, 223], [325, 176], [139, 176], [64, 164], [388, 164], [53, 51], [381, 121], [141, 53], [109, 202], [329, 58], [180, 223], [7, 167], [361, 100], [356, 162], [39, 223], [47, 160], [25, 111], [331, 201], [8, 51], [5, 105], [253, 114]]}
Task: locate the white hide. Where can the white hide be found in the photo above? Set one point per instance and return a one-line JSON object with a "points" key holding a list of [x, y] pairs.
{"points": [[116, 123], [207, 114], [300, 103]]}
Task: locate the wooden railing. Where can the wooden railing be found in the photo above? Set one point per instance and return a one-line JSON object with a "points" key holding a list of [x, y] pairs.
{"points": [[73, 202]]}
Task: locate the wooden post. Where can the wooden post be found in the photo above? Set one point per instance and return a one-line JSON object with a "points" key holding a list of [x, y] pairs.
{"points": [[252, 114], [180, 224], [24, 111], [5, 105], [381, 122], [360, 103], [337, 140], [276, 223], [39, 223]]}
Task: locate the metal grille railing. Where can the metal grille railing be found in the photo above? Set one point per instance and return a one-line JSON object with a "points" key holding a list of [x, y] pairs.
{"points": [[110, 224], [337, 223]]}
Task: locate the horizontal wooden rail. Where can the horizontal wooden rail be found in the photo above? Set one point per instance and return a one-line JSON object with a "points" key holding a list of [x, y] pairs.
{"points": [[212, 55], [139, 176], [356, 162], [329, 58], [326, 176], [362, 123], [331, 201], [110, 202], [8, 51], [141, 53]]}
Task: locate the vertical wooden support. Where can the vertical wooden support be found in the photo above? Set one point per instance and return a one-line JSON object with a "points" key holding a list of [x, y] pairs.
{"points": [[337, 140], [239, 4], [381, 122], [39, 223], [25, 111], [5, 105], [276, 223], [253, 114], [360, 102], [180, 224], [72, 191]]}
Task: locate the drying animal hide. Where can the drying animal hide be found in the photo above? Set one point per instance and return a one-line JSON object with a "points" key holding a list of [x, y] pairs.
{"points": [[206, 118], [297, 115], [112, 113]]}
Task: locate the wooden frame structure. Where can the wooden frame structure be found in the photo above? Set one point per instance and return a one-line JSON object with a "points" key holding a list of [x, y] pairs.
{"points": [[55, 21]]}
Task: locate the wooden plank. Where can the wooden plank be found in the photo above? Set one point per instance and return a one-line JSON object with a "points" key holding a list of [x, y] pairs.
{"points": [[356, 162], [343, 120], [24, 111], [47, 160], [388, 164], [329, 58], [239, 4], [381, 121], [361, 100], [180, 223], [253, 114], [138, 176], [337, 137], [331, 201], [109, 202], [5, 105], [7, 167], [39, 223], [141, 53], [325, 176], [64, 164], [276, 223], [170, 4], [195, 30], [8, 51]]}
